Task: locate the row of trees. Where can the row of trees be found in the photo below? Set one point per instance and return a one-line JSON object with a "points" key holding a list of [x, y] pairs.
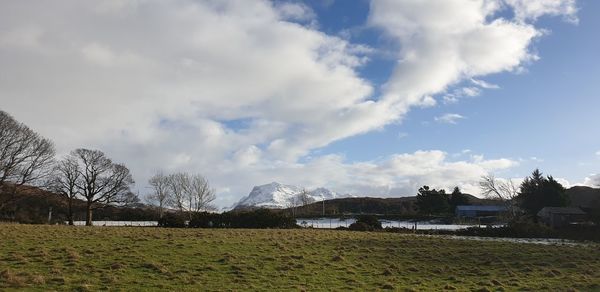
{"points": [[28, 160], [25, 157], [93, 177], [534, 193], [431, 201], [187, 193]]}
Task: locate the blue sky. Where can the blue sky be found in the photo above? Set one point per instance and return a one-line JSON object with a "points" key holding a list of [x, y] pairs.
{"points": [[545, 116], [369, 97]]}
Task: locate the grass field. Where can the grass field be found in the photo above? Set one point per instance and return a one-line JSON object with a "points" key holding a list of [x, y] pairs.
{"points": [[114, 258]]}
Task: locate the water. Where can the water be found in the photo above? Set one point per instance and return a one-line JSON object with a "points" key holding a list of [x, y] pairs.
{"points": [[326, 223], [544, 241], [330, 223], [118, 223]]}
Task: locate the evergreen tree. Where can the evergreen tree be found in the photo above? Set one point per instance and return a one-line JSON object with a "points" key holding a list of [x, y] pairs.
{"points": [[537, 192], [457, 198], [432, 201]]}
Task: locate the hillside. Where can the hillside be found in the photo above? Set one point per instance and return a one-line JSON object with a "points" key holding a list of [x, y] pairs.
{"points": [[584, 197], [33, 205], [280, 196], [403, 206], [580, 196]]}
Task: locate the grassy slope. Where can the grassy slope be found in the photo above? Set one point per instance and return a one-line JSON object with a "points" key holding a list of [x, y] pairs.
{"points": [[64, 258]]}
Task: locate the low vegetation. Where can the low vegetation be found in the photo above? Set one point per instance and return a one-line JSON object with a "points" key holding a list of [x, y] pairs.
{"points": [[100, 258]]}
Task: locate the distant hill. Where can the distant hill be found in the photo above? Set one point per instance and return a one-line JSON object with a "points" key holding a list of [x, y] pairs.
{"points": [[403, 206], [584, 197], [32, 205], [279, 196]]}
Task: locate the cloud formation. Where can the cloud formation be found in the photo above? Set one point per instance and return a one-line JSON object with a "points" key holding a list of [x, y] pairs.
{"points": [[449, 118], [246, 89]]}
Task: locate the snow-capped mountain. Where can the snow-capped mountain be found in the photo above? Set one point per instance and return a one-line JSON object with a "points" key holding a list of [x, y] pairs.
{"points": [[279, 196]]}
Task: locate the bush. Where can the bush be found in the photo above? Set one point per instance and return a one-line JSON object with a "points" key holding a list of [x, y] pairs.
{"points": [[369, 220], [261, 218], [360, 226], [366, 223], [204, 220], [171, 220]]}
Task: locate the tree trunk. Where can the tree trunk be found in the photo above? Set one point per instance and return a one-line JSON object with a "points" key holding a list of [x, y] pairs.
{"points": [[88, 217], [70, 212]]}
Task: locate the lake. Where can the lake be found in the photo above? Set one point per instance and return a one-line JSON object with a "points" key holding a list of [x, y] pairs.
{"points": [[326, 223], [118, 223], [330, 223]]}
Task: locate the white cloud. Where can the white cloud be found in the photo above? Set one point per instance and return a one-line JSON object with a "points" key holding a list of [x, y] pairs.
{"points": [[532, 9], [449, 118], [536, 159], [238, 88], [598, 153], [484, 84], [394, 175], [295, 11], [402, 135], [592, 181], [461, 93]]}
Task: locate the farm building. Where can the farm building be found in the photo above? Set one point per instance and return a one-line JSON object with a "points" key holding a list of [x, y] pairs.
{"points": [[475, 211], [561, 216]]}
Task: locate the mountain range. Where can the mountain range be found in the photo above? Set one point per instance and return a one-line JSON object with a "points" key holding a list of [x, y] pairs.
{"points": [[280, 196]]}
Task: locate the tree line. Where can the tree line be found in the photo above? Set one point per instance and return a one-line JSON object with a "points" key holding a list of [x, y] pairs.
{"points": [[534, 193], [431, 201], [187, 193], [28, 160]]}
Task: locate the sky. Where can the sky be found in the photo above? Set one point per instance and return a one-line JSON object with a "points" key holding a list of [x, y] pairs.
{"points": [[373, 98]]}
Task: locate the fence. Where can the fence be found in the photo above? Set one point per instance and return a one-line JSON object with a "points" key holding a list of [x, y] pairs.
{"points": [[119, 223]]}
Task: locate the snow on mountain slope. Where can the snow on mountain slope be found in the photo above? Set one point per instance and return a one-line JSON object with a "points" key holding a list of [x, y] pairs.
{"points": [[279, 196]]}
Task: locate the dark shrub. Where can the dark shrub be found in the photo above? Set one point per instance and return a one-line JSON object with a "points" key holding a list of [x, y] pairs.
{"points": [[369, 220], [261, 218], [204, 220], [171, 220], [360, 226]]}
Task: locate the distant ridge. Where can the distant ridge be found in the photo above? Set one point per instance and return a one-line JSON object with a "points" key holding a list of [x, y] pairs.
{"points": [[278, 196]]}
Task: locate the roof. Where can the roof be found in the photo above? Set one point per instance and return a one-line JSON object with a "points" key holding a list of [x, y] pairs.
{"points": [[491, 208], [561, 210]]}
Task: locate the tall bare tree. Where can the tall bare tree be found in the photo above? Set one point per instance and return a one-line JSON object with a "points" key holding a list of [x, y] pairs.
{"points": [[102, 182], [292, 203], [201, 193], [503, 190], [190, 193], [304, 197], [161, 195], [26, 158], [64, 181], [178, 182]]}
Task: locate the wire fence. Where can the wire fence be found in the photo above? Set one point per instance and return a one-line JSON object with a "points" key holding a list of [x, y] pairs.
{"points": [[119, 223]]}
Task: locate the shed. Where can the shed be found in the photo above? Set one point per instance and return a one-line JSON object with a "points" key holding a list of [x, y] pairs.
{"points": [[561, 216]]}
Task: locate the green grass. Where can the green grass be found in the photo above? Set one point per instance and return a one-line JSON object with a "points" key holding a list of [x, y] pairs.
{"points": [[111, 258]]}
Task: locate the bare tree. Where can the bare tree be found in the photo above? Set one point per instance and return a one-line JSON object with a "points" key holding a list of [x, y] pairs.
{"points": [[304, 197], [503, 190], [201, 193], [292, 203], [26, 158], [190, 193], [177, 184], [161, 193], [64, 182], [102, 182]]}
